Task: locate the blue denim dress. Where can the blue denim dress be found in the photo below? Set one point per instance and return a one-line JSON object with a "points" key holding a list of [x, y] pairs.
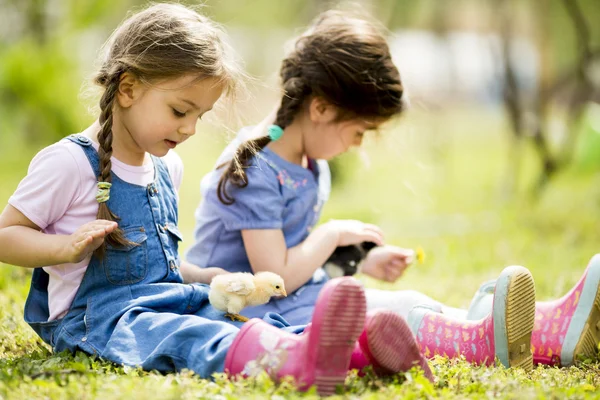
{"points": [[132, 307], [279, 195]]}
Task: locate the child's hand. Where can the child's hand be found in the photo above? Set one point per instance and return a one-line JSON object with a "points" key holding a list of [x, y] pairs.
{"points": [[86, 239], [387, 263], [353, 232], [206, 275], [192, 273]]}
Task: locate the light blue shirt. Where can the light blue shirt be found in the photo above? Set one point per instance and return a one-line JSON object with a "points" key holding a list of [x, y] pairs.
{"points": [[279, 195]]}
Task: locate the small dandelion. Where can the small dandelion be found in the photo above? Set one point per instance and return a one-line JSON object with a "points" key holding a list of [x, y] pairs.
{"points": [[420, 255]]}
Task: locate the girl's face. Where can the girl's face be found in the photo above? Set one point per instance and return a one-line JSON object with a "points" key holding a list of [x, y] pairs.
{"points": [[159, 117], [329, 137]]}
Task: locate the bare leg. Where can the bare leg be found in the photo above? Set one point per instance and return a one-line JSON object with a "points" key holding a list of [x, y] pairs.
{"points": [[402, 301]]}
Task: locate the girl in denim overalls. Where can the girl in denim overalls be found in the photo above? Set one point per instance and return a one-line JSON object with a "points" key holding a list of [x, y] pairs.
{"points": [[261, 204], [96, 217]]}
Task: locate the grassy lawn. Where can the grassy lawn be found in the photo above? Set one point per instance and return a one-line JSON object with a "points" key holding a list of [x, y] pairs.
{"points": [[438, 181]]}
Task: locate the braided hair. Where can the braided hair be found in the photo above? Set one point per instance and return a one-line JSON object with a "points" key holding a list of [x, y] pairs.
{"points": [[163, 41], [341, 58]]}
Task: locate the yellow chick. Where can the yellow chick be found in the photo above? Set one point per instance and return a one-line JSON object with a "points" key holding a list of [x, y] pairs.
{"points": [[234, 292]]}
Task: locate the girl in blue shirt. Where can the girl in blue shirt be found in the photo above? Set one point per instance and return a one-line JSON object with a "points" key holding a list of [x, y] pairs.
{"points": [[261, 204]]}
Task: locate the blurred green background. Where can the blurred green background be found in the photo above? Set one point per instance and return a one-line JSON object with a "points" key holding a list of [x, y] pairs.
{"points": [[497, 162]]}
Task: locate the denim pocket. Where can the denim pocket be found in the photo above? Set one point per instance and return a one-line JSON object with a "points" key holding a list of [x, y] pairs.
{"points": [[175, 236], [127, 265]]}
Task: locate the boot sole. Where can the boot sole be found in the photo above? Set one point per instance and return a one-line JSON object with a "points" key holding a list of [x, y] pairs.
{"points": [[583, 334], [337, 322], [514, 317], [391, 345]]}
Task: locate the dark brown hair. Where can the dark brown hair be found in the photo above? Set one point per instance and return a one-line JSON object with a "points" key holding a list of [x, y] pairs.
{"points": [[161, 42], [341, 58]]}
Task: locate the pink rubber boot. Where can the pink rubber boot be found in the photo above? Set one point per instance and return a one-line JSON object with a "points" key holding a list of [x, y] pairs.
{"points": [[388, 344], [504, 333], [569, 326], [320, 356]]}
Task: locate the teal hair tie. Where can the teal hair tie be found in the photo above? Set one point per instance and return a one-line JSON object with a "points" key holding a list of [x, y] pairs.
{"points": [[275, 132], [103, 193]]}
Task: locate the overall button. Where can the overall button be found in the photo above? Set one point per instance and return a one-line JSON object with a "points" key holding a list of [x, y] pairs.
{"points": [[83, 139], [172, 265]]}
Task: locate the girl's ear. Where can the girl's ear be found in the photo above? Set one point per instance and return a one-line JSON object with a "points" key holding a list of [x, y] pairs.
{"points": [[130, 89], [320, 111]]}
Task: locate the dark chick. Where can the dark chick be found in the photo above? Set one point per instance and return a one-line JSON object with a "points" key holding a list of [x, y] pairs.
{"points": [[345, 259]]}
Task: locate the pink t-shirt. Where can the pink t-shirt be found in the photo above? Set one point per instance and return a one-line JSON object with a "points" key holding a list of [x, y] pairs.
{"points": [[59, 195]]}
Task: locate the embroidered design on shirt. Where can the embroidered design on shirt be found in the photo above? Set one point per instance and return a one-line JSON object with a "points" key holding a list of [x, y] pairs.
{"points": [[271, 360], [283, 176]]}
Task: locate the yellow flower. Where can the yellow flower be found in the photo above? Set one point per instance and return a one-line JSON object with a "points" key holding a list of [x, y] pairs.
{"points": [[420, 253]]}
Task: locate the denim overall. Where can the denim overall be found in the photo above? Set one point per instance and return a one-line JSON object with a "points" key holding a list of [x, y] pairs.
{"points": [[132, 307]]}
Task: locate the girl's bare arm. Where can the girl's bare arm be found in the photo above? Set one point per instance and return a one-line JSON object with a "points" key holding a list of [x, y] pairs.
{"points": [[267, 251], [22, 243]]}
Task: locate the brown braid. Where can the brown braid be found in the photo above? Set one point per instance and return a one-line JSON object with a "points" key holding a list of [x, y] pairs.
{"points": [[164, 41], [295, 92], [342, 59], [105, 136]]}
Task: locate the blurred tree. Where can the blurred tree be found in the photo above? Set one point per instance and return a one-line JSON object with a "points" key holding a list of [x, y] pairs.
{"points": [[37, 92], [46, 46], [40, 72], [571, 90], [51, 44]]}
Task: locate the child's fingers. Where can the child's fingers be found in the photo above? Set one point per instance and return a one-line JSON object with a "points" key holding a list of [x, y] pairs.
{"points": [[403, 256], [374, 232], [106, 221], [398, 263], [374, 228], [370, 236], [392, 274], [409, 257], [98, 233], [94, 226], [90, 237], [109, 226], [83, 242]]}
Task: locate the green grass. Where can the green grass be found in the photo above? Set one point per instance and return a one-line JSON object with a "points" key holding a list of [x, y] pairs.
{"points": [[437, 180]]}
